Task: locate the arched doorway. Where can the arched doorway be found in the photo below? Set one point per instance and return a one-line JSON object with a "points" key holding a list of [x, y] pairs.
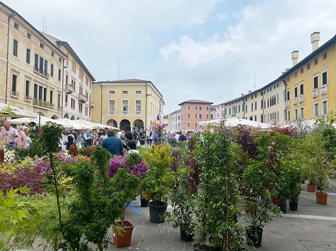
{"points": [[54, 117], [138, 125], [72, 118], [125, 125], [66, 116], [112, 122]]}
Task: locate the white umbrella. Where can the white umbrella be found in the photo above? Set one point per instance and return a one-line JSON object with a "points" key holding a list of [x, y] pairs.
{"points": [[232, 122], [36, 120]]}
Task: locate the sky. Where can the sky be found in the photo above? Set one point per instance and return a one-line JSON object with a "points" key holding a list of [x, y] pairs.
{"points": [[212, 50]]}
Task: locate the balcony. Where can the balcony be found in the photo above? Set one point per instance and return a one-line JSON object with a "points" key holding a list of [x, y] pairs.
{"points": [[315, 93], [138, 113], [301, 98], [324, 89], [41, 103], [91, 104], [295, 100], [82, 98], [59, 108], [41, 73], [51, 105], [111, 113], [68, 89], [287, 104], [15, 94], [28, 98], [124, 113]]}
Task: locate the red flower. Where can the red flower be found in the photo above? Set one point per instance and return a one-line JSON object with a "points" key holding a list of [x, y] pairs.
{"points": [[86, 152]]}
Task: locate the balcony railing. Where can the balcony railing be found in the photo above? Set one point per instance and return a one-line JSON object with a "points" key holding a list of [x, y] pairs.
{"points": [[40, 72], [41, 103], [301, 98], [111, 113], [295, 100], [15, 93], [82, 98], [287, 103], [315, 93], [68, 89], [124, 113], [91, 104], [27, 98], [138, 113], [324, 89]]}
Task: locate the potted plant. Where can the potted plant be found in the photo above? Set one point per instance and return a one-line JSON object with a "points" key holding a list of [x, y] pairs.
{"points": [[293, 177], [159, 182], [256, 180], [183, 206], [126, 174], [217, 210]]}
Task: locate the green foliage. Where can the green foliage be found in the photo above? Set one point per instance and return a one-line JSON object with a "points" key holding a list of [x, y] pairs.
{"points": [[50, 138], [182, 203], [217, 206], [293, 177], [159, 182]]}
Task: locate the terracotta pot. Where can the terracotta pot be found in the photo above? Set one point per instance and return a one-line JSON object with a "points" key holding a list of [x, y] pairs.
{"points": [[193, 190], [124, 239], [311, 188], [2, 155], [275, 200], [321, 198]]}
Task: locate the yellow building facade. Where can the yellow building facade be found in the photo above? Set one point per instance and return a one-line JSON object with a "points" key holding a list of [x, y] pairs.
{"points": [[130, 104], [311, 83], [30, 66]]}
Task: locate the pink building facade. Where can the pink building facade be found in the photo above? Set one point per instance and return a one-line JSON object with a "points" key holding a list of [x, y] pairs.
{"points": [[194, 111]]}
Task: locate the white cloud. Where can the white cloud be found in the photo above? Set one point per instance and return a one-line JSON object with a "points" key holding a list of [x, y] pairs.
{"points": [[192, 54]]}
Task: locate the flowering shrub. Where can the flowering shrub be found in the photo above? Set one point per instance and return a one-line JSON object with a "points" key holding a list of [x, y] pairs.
{"points": [[86, 151], [138, 168], [9, 156], [73, 150]]}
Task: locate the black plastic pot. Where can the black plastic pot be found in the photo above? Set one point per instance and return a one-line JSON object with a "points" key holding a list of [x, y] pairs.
{"points": [[254, 237], [185, 237], [293, 206], [197, 247], [283, 208], [156, 211], [144, 203]]}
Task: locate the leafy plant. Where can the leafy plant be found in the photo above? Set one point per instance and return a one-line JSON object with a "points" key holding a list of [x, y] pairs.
{"points": [[158, 183]]}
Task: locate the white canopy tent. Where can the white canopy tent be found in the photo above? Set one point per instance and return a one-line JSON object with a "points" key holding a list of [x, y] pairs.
{"points": [[42, 120], [231, 122]]}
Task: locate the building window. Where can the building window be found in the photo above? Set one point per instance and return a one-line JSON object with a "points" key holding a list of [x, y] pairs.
{"points": [[308, 66], [200, 116], [52, 70], [195, 108], [44, 94], [295, 92], [40, 94], [255, 117], [14, 85], [80, 107], [288, 115], [112, 92], [195, 116], [188, 115], [125, 106], [251, 107], [207, 108], [125, 92], [288, 95], [200, 108], [28, 35], [58, 100], [301, 113], [137, 92], [15, 47], [255, 106], [138, 107], [324, 107], [35, 90], [324, 78], [27, 88], [42, 45], [261, 104], [301, 71], [261, 118], [59, 75], [188, 107], [195, 124], [66, 99], [301, 89], [51, 97], [28, 56], [324, 55], [316, 82], [316, 109], [188, 124], [315, 61], [296, 114]]}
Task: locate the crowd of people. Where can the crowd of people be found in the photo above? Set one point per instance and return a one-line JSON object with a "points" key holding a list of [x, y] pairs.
{"points": [[114, 142]]}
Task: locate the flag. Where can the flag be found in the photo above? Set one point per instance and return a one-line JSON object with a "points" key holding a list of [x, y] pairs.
{"points": [[158, 117]]}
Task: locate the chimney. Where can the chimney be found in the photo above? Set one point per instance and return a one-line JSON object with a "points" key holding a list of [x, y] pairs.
{"points": [[314, 39], [249, 91], [295, 56], [242, 94]]}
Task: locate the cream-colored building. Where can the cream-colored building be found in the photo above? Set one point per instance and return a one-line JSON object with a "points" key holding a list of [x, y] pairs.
{"points": [[76, 82], [130, 104], [26, 60], [232, 108], [174, 121]]}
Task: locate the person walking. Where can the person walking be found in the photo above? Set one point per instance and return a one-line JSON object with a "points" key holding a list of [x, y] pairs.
{"points": [[142, 138], [21, 141], [9, 134], [113, 144], [70, 139]]}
